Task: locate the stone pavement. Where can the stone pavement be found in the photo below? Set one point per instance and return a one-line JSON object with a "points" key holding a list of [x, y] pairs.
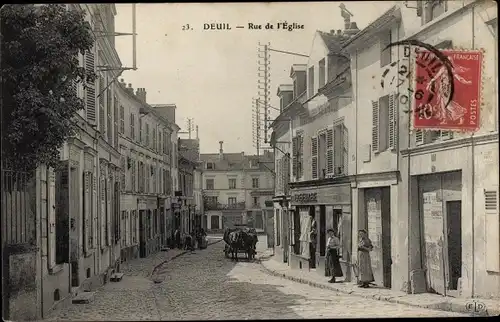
{"points": [[204, 285], [426, 300]]}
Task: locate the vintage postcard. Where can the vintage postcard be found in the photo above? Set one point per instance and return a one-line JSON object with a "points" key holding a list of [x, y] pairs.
{"points": [[259, 160]]}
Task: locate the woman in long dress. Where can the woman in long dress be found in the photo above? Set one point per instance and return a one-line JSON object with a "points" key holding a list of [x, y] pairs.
{"points": [[440, 85], [332, 256], [364, 261]]}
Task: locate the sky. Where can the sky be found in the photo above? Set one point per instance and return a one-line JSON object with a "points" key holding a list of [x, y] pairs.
{"points": [[211, 75]]}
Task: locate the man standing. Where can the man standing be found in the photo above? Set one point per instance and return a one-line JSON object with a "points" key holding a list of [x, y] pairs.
{"points": [[312, 244]]}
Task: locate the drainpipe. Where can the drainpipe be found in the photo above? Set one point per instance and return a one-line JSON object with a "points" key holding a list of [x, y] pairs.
{"points": [[473, 173]]}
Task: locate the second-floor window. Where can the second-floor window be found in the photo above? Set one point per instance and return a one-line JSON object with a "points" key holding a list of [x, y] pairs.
{"points": [[255, 183], [141, 134], [231, 200], [232, 183], [209, 184], [310, 82], [210, 165], [385, 54], [154, 139], [122, 120], [384, 124], [340, 150], [322, 73], [147, 135], [256, 201], [432, 9], [132, 126], [297, 157]]}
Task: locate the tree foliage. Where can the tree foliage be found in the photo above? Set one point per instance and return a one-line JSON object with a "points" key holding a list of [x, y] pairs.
{"points": [[39, 69]]}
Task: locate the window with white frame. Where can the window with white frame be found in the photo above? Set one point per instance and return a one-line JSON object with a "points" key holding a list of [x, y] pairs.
{"points": [[209, 184], [255, 183], [231, 200], [384, 124], [232, 183]]}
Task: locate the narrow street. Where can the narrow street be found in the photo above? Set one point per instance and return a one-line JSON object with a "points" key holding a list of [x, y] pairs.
{"points": [[206, 285]]}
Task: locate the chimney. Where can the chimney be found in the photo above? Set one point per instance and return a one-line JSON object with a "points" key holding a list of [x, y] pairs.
{"points": [[354, 26], [332, 32], [141, 94], [122, 82], [339, 32], [352, 30], [130, 89], [221, 151]]}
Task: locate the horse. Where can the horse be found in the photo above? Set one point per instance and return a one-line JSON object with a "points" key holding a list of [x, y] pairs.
{"points": [[250, 241], [235, 243]]}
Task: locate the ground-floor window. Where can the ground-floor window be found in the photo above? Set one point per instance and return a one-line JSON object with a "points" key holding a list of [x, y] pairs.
{"points": [[259, 222], [214, 222]]}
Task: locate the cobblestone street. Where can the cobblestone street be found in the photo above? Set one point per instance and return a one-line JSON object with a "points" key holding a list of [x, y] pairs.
{"points": [[206, 285]]}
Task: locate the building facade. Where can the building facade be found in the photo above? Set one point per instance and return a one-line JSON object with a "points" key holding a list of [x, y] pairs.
{"points": [[320, 186], [236, 188], [147, 160]]}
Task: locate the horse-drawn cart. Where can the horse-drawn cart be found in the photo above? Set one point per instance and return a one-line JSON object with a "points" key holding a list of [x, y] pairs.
{"points": [[246, 249]]}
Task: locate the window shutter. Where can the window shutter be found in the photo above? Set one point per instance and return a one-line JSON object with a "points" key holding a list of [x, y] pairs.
{"points": [[115, 120], [492, 224], [87, 216], [314, 153], [375, 126], [132, 126], [329, 151], [419, 137], [122, 120], [122, 172], [300, 163], [295, 155], [102, 116], [393, 129], [108, 211], [345, 149], [102, 224], [90, 93], [51, 213], [95, 204]]}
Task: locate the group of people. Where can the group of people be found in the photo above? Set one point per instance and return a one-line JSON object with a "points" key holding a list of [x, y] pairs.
{"points": [[195, 239], [364, 269]]}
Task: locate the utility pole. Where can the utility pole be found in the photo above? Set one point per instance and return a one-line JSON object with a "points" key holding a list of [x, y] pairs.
{"points": [[264, 83], [256, 127], [190, 126]]}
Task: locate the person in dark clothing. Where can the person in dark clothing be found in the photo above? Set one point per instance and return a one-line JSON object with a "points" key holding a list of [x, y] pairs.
{"points": [[177, 237], [332, 257], [188, 242]]}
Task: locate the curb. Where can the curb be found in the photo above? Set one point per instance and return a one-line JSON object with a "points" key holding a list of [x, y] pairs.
{"points": [[442, 306], [178, 255]]}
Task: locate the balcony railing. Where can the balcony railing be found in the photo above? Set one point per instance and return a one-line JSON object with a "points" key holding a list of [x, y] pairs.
{"points": [[220, 206]]}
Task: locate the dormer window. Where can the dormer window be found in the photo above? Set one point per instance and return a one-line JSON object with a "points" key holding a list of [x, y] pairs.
{"points": [[432, 9], [311, 81], [210, 165]]}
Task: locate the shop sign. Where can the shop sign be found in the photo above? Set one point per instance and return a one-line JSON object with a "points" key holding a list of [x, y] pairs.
{"points": [[305, 197]]}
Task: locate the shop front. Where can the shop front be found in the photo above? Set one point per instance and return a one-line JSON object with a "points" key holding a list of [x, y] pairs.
{"points": [[315, 210]]}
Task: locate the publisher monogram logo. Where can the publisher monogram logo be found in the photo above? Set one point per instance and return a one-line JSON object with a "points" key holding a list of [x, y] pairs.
{"points": [[475, 307]]}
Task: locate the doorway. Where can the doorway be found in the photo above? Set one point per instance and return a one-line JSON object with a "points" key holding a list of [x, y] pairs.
{"points": [[142, 234], [386, 237], [454, 244]]}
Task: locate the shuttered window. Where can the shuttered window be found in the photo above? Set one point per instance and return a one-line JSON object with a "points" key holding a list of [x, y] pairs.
{"points": [[345, 149], [95, 205], [108, 210], [154, 139], [160, 143], [314, 159], [123, 162], [492, 224], [300, 163], [133, 176], [426, 137], [115, 121], [109, 116], [141, 135], [122, 120], [329, 151], [295, 156], [375, 126], [132, 126], [102, 115], [393, 128], [87, 213], [147, 135], [90, 99]]}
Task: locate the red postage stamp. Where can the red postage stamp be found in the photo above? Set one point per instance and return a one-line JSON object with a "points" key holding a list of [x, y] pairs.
{"points": [[440, 106]]}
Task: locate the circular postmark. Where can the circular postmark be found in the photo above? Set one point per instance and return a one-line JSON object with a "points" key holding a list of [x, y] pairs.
{"points": [[430, 64]]}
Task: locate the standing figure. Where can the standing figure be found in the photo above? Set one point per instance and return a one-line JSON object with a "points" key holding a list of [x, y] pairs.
{"points": [[312, 242], [177, 238], [364, 260], [440, 85], [332, 256]]}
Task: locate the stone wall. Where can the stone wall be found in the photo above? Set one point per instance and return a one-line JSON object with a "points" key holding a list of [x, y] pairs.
{"points": [[22, 285]]}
